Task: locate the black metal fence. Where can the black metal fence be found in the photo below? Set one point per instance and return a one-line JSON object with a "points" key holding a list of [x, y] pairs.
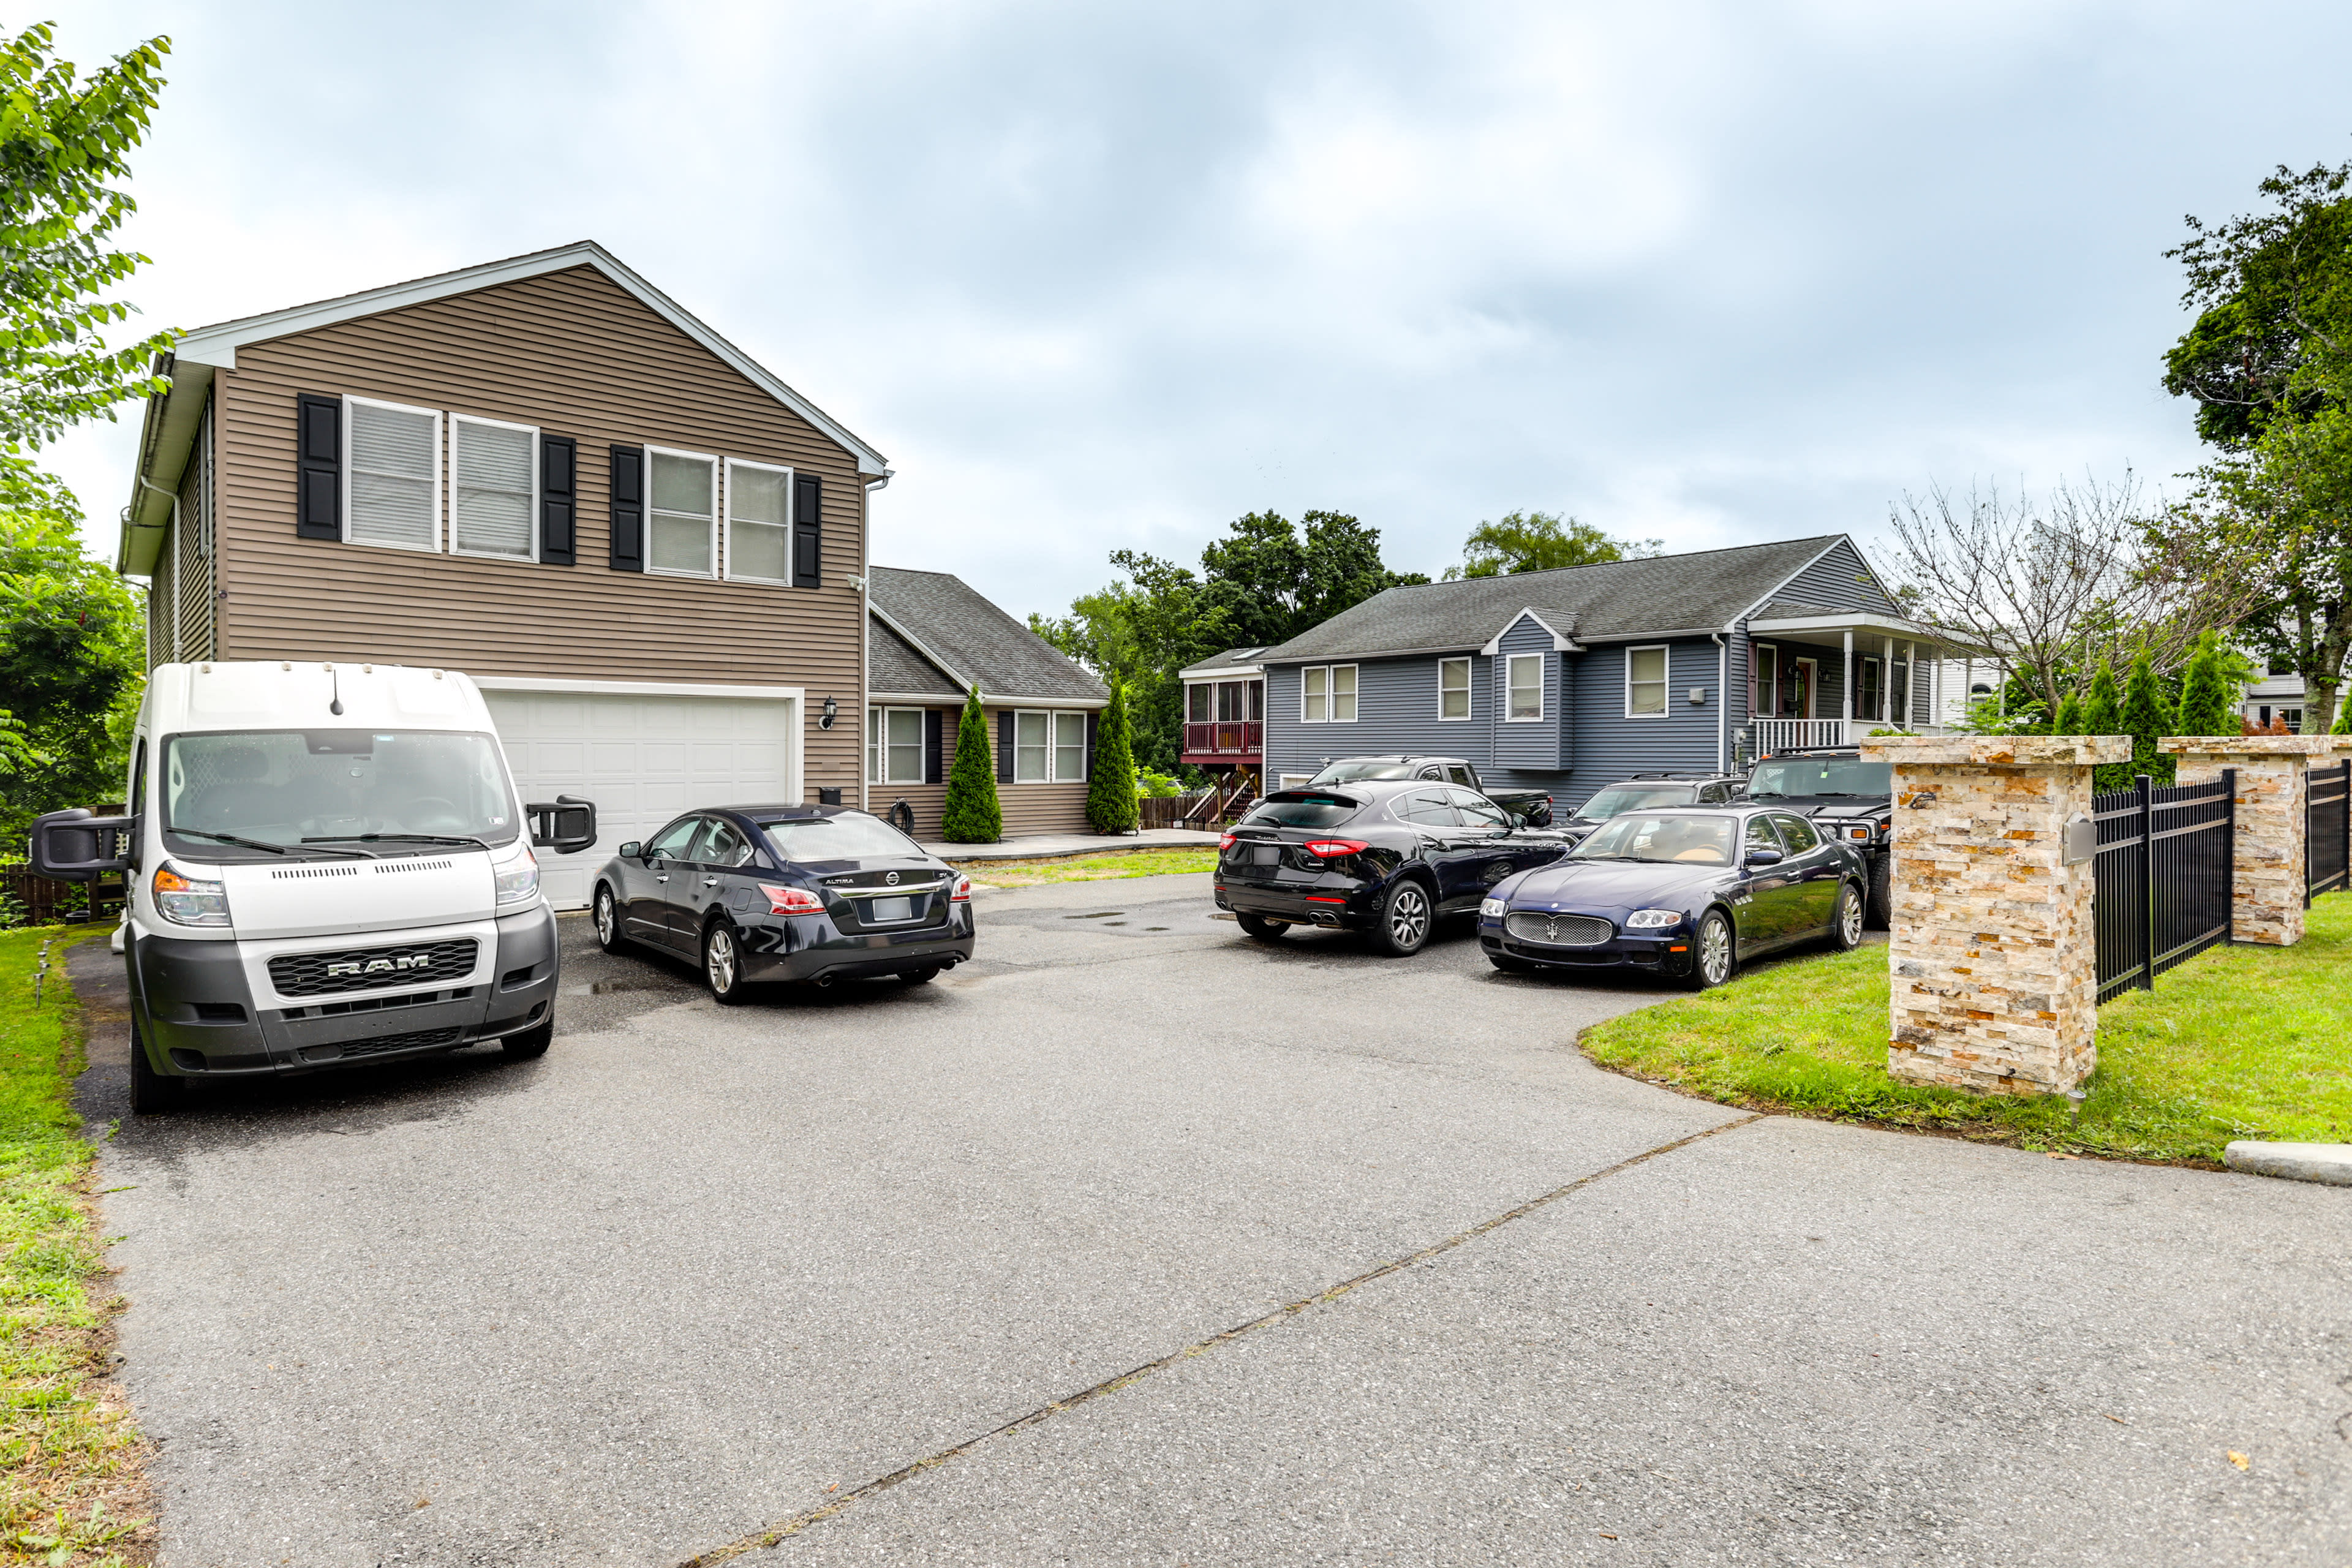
{"points": [[2163, 875], [2327, 829]]}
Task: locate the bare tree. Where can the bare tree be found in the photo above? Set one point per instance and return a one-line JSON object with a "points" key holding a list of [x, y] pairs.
{"points": [[2049, 585]]}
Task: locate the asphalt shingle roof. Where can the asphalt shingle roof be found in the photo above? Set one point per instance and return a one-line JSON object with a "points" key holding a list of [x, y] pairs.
{"points": [[971, 637], [895, 665], [1232, 657], [1701, 591]]}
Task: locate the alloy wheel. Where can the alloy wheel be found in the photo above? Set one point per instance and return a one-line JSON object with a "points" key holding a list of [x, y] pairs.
{"points": [[718, 961], [1409, 917], [1715, 951], [606, 923], [1850, 916]]}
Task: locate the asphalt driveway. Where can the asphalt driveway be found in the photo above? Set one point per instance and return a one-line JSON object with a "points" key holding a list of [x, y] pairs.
{"points": [[704, 1273]]}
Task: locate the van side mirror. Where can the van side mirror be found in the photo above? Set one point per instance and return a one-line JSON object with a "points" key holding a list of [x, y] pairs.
{"points": [[76, 847], [567, 827], [1763, 857]]}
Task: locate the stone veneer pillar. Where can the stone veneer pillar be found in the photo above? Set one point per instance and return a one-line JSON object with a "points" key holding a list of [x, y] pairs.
{"points": [[1993, 955], [2266, 899]]}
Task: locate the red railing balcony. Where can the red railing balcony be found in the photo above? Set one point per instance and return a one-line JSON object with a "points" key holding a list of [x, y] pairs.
{"points": [[1225, 739]]}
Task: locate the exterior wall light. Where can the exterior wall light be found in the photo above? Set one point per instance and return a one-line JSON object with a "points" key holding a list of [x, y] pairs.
{"points": [[832, 709]]}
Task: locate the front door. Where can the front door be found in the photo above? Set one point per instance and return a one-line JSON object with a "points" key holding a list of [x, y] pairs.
{"points": [[1813, 872], [644, 898], [1797, 690], [1505, 851], [1770, 913]]}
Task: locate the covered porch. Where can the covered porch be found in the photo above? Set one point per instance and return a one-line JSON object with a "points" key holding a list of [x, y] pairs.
{"points": [[1819, 678]]}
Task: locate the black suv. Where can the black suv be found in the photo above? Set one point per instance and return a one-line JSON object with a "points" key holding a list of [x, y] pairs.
{"points": [[1642, 791], [1848, 799]]}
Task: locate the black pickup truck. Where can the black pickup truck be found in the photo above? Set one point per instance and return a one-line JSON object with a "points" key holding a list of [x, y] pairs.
{"points": [[1528, 807], [1848, 799]]}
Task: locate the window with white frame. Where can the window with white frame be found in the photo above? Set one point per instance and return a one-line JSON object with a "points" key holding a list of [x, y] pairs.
{"points": [[1526, 682], [902, 746], [1328, 694], [391, 474], [874, 746], [1454, 688], [1645, 682], [1032, 751], [493, 482], [682, 524], [1069, 747], [1768, 680], [758, 523], [1197, 701]]}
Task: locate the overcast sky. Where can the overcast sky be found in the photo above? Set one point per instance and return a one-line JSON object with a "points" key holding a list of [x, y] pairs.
{"points": [[1097, 275]]}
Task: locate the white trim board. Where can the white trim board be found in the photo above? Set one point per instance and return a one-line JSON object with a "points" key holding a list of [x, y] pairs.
{"points": [[217, 344], [1559, 644], [636, 688], [939, 699]]}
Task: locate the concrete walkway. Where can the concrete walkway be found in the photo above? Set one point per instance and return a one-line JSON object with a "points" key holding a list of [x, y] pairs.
{"points": [[1045, 846]]}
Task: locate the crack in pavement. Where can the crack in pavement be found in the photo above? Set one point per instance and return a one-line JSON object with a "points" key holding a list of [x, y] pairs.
{"points": [[775, 1534]]}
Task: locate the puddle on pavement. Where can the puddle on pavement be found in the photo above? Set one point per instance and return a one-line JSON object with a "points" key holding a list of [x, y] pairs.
{"points": [[1098, 915], [612, 987], [1115, 922], [1155, 928]]}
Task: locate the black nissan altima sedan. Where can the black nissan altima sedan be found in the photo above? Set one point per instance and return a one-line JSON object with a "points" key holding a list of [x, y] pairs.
{"points": [[1686, 893], [1384, 858], [810, 893]]}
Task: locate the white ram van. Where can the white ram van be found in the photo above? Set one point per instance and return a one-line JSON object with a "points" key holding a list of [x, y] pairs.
{"points": [[326, 865]]}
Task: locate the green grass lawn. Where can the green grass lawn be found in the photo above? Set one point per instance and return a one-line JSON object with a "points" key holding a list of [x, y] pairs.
{"points": [[2239, 1042], [1091, 868], [69, 1456]]}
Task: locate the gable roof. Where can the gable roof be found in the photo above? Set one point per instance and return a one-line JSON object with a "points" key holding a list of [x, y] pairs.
{"points": [[938, 622], [1703, 591], [1233, 661], [171, 420]]}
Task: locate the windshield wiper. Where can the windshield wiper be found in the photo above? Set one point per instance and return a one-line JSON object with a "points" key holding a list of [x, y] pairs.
{"points": [[1835, 795], [1766, 794], [397, 838], [258, 844]]}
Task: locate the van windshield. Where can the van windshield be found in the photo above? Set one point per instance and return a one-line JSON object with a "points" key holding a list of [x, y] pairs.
{"points": [[282, 786]]}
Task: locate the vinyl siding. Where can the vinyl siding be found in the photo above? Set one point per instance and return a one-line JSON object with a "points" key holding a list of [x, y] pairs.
{"points": [[1520, 746], [1840, 580], [1610, 746], [1028, 807], [573, 354], [1396, 710]]}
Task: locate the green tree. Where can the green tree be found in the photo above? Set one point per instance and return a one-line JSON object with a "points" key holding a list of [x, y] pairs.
{"points": [[973, 814], [2207, 701], [63, 142], [1539, 542], [1268, 581], [2343, 721], [2145, 721], [2070, 716], [1110, 790], [2102, 714]]}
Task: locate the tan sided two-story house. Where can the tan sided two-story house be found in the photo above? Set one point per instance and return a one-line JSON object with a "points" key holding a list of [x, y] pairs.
{"points": [[646, 548]]}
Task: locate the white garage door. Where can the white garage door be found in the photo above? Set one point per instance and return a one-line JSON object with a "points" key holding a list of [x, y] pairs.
{"points": [[643, 757]]}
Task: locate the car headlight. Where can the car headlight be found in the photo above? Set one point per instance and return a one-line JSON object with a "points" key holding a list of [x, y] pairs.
{"points": [[517, 879], [1492, 908], [186, 900], [1652, 919]]}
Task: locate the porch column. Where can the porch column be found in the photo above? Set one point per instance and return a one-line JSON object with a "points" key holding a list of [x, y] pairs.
{"points": [[1845, 687], [2269, 870], [1993, 953]]}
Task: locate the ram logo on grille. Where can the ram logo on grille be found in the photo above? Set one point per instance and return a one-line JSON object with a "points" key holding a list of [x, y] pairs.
{"points": [[323, 974], [380, 966]]}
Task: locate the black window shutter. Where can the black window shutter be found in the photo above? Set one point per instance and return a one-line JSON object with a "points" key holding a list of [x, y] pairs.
{"points": [[319, 466], [1094, 728], [1004, 746], [933, 772], [808, 531], [559, 463], [628, 509]]}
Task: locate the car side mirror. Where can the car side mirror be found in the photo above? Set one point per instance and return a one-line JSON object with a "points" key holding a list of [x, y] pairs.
{"points": [[630, 850], [1764, 856], [567, 827], [76, 847]]}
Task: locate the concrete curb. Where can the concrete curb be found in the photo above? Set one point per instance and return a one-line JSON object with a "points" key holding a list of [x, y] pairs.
{"points": [[2327, 1163]]}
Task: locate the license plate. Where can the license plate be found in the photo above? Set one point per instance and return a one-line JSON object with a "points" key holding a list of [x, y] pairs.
{"points": [[1266, 855], [884, 910]]}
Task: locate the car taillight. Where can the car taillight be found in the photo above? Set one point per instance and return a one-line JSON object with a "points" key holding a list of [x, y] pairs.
{"points": [[961, 894], [1224, 844], [1332, 848], [792, 901]]}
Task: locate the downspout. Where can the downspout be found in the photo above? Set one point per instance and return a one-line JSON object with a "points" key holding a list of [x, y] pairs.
{"points": [[1722, 699]]}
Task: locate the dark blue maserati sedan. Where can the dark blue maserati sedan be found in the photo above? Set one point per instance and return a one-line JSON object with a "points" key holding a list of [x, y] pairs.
{"points": [[1683, 893], [760, 893]]}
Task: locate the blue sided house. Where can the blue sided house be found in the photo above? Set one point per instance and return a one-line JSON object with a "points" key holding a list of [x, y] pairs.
{"points": [[1575, 678]]}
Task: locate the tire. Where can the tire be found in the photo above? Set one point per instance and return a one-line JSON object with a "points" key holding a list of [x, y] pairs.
{"points": [[1263, 929], [1714, 952], [151, 1093], [608, 921], [532, 1043], [1405, 919], [1509, 965], [1879, 914], [723, 964], [1845, 922]]}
